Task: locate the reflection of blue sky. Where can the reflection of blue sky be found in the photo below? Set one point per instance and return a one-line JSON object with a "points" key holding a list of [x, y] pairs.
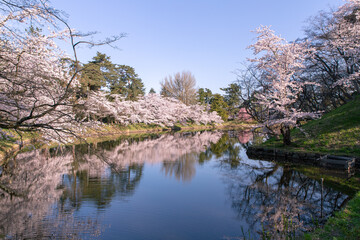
{"points": [[163, 208], [251, 162]]}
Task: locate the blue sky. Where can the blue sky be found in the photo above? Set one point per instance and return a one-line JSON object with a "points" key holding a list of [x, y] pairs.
{"points": [[207, 37]]}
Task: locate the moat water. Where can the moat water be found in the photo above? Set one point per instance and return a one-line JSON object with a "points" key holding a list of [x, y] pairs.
{"points": [[198, 185]]}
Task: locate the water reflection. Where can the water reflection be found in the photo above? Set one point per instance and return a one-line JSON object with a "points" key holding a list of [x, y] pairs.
{"points": [[65, 193], [28, 194], [40, 190], [227, 151], [100, 188], [278, 200], [245, 136], [183, 169]]}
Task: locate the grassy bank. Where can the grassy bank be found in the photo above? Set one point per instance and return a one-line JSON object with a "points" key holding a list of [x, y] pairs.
{"points": [[337, 132]]}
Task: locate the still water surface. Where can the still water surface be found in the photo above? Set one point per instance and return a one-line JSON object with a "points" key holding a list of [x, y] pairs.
{"points": [[172, 186]]}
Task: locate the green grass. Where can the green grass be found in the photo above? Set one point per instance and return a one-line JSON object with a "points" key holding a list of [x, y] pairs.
{"points": [[344, 225], [337, 132]]}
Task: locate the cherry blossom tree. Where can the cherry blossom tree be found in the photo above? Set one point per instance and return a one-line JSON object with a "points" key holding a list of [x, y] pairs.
{"points": [[278, 64], [334, 66], [150, 109], [34, 79], [36, 87], [38, 81], [345, 35]]}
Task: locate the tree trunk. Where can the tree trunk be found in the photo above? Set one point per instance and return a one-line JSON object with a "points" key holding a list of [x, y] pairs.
{"points": [[285, 131]]}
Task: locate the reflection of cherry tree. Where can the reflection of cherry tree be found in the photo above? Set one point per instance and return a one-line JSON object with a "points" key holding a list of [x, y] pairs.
{"points": [[280, 199], [183, 169], [152, 151], [59, 224], [40, 191], [115, 167], [28, 192]]}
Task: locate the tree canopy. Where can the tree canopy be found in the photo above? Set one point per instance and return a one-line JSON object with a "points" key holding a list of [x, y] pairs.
{"points": [[36, 84], [278, 65], [127, 83], [102, 74], [232, 98], [204, 96], [218, 105], [98, 73]]}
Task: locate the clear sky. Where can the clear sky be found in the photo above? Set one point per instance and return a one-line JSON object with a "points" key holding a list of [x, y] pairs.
{"points": [[207, 37]]}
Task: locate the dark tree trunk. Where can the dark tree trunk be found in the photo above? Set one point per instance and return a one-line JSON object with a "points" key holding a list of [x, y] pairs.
{"points": [[285, 131]]}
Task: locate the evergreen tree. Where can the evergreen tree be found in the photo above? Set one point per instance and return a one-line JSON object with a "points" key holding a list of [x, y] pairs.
{"points": [[204, 96], [232, 98], [135, 89], [101, 73], [219, 105], [97, 73], [127, 83]]}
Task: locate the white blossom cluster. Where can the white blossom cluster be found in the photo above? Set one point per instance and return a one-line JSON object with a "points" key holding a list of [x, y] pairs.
{"points": [[344, 41], [35, 81], [278, 63], [150, 109], [38, 84]]}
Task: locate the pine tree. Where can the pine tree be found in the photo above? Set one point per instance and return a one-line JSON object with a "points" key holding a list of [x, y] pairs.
{"points": [[219, 105], [232, 98]]}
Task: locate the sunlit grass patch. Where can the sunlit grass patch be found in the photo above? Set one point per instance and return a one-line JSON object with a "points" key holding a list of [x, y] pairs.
{"points": [[337, 132]]}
